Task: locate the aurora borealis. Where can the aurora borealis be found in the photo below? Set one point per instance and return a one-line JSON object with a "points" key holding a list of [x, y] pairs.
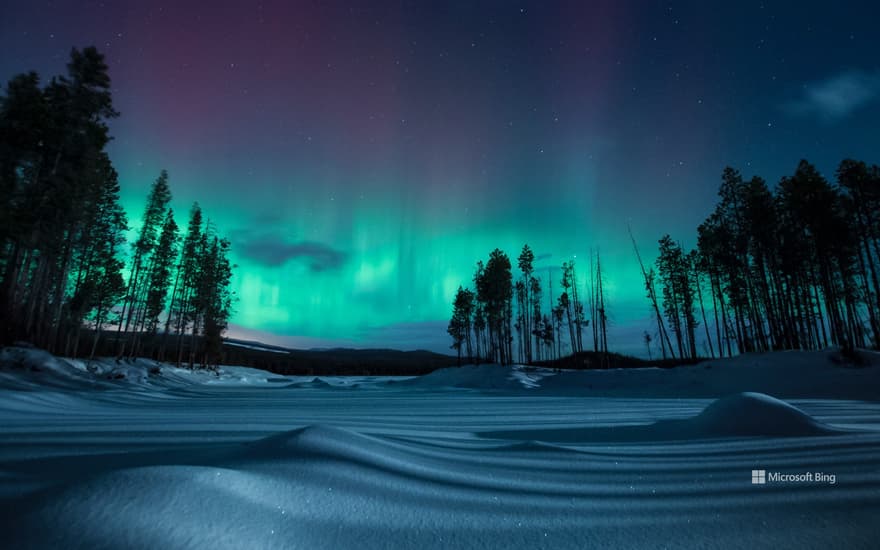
{"points": [[362, 157]]}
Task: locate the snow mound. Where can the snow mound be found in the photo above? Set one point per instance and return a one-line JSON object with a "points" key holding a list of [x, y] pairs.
{"points": [[323, 442], [746, 414], [316, 382], [476, 377], [27, 368], [751, 413], [310, 438]]}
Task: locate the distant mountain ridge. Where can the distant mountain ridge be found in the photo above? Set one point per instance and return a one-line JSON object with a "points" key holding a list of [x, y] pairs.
{"points": [[332, 361]]}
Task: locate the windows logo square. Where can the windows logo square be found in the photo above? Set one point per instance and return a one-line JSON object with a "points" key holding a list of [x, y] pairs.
{"points": [[759, 477]]}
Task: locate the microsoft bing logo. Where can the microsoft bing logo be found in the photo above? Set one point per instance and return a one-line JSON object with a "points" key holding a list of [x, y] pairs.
{"points": [[761, 477]]}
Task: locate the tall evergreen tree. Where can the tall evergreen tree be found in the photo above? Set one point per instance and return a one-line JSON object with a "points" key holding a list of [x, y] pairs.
{"points": [[180, 311], [861, 185], [214, 298], [159, 277], [460, 324], [134, 306], [495, 293], [526, 266], [650, 289], [62, 227], [565, 302], [53, 170], [678, 295], [537, 318]]}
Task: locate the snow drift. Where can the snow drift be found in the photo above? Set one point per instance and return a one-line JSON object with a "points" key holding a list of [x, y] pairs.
{"points": [[754, 414], [478, 377], [793, 374], [741, 415], [484, 457]]}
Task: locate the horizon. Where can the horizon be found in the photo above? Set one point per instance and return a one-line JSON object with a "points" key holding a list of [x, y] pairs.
{"points": [[362, 161]]}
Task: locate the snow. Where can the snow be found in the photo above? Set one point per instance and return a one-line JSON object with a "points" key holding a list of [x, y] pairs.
{"points": [[480, 377], [790, 374], [255, 346], [752, 413], [143, 455], [743, 414]]}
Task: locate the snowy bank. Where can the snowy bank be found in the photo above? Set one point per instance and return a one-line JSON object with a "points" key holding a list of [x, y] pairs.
{"points": [[794, 374], [23, 368], [790, 374]]}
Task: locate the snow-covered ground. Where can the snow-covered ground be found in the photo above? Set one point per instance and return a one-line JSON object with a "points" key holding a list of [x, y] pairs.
{"points": [[108, 455]]}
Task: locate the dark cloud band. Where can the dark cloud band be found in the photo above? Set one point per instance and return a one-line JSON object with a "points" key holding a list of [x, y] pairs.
{"points": [[273, 251]]}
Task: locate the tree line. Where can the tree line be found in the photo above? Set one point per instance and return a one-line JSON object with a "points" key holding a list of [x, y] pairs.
{"points": [[487, 321], [63, 268], [795, 267]]}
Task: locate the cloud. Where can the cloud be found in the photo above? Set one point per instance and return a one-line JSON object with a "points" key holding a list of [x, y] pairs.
{"points": [[274, 250], [837, 97]]}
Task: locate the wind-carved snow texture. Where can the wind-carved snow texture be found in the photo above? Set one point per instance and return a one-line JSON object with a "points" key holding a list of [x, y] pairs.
{"points": [[493, 458]]}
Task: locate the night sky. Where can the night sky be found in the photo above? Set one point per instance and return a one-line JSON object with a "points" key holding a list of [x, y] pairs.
{"points": [[362, 157]]}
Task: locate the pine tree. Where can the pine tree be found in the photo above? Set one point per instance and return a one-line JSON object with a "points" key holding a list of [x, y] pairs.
{"points": [[791, 269], [52, 164], [650, 289], [495, 292], [862, 187], [578, 309], [62, 227], [97, 269], [159, 277], [215, 299], [601, 313], [521, 314], [669, 269], [460, 324], [548, 336], [816, 207], [567, 304], [134, 306], [180, 312], [23, 125], [537, 328], [696, 262], [525, 262]]}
